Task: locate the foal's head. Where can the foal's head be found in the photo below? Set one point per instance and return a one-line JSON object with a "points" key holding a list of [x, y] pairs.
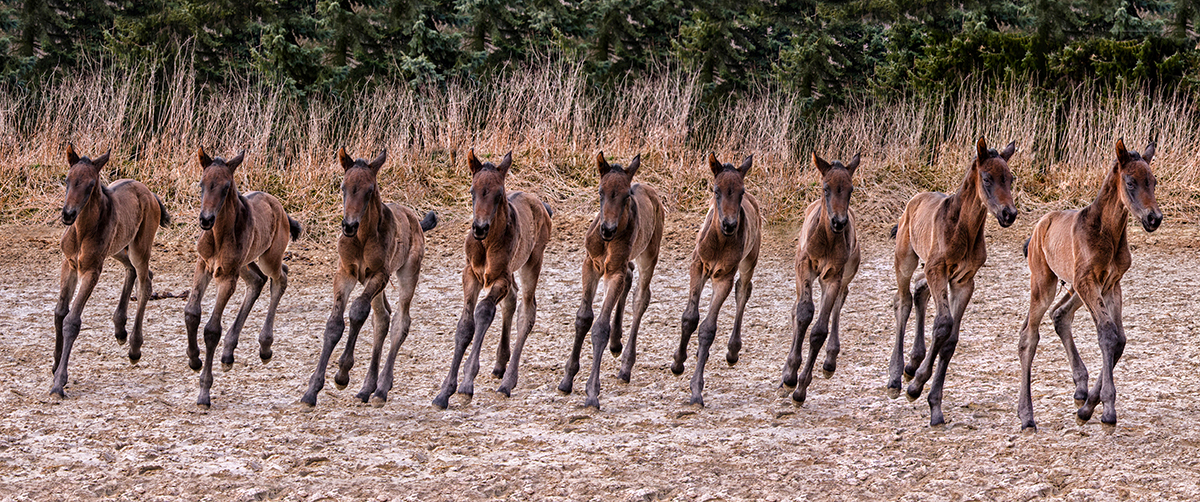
{"points": [[487, 192], [215, 185], [359, 188], [614, 192], [1137, 184], [995, 181], [83, 179], [729, 185], [835, 180]]}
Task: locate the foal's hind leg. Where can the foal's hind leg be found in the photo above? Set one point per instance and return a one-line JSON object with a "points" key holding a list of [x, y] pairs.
{"points": [[1041, 293], [529, 281], [503, 350], [640, 303], [833, 346], [406, 279], [583, 324], [618, 318], [141, 262], [381, 320], [121, 315], [906, 264], [255, 280], [1064, 315], [266, 337], [921, 302], [744, 287]]}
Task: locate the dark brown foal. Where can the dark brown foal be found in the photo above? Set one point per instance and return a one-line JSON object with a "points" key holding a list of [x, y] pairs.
{"points": [[508, 234], [118, 220], [243, 235], [828, 251], [626, 231], [1088, 249], [946, 233], [378, 240], [727, 244]]}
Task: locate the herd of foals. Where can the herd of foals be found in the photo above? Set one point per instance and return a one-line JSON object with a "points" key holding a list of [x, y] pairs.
{"points": [[245, 235]]}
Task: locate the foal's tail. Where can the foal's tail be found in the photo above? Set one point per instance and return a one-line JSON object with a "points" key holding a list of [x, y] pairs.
{"points": [[429, 222], [892, 234], [163, 217], [548, 210], [294, 227], [1025, 250]]}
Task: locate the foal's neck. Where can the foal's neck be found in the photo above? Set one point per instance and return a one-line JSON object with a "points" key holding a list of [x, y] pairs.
{"points": [[98, 209], [231, 216], [1108, 209], [972, 213]]}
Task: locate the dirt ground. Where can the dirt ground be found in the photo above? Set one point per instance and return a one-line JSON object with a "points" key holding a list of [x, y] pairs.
{"points": [[134, 433]]}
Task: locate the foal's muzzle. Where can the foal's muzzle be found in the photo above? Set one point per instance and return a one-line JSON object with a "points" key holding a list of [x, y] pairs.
{"points": [[206, 221], [728, 227], [480, 230], [1152, 220], [607, 232], [1007, 216], [69, 215], [838, 224], [349, 229]]}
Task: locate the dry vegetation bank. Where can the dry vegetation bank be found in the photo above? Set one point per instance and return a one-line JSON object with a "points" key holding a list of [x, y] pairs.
{"points": [[554, 122]]}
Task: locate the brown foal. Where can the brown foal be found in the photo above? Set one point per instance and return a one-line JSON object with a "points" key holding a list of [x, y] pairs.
{"points": [[118, 220], [946, 233], [378, 240], [828, 251], [243, 235], [626, 231], [509, 234], [727, 244], [1088, 249]]}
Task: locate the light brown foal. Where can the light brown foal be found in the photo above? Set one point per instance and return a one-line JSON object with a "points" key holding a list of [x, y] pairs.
{"points": [[509, 234], [1088, 249], [946, 233], [627, 231], [243, 235], [378, 240], [727, 244], [118, 220], [828, 251]]}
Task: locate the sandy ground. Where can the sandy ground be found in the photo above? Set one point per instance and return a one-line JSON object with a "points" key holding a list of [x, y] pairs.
{"points": [[134, 432]]}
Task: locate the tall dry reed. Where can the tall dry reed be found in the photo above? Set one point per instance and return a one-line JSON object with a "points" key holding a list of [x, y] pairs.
{"points": [[555, 122]]}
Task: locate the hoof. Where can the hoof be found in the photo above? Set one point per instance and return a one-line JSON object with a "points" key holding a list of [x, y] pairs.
{"points": [[309, 401], [1029, 429], [677, 368], [227, 361], [893, 392], [616, 349], [1079, 402], [938, 426], [306, 407], [363, 396], [799, 396], [441, 402], [826, 373], [121, 337], [911, 395], [226, 366], [203, 403], [788, 381], [566, 386], [266, 356], [57, 394], [1082, 416], [697, 401], [623, 376], [505, 390], [908, 373], [467, 390], [195, 364], [378, 400], [1108, 428], [498, 372], [341, 380], [592, 402], [731, 358], [134, 358]]}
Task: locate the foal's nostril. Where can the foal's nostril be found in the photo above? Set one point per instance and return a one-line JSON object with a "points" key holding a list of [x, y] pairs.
{"points": [[349, 228], [480, 229], [206, 222], [68, 216]]}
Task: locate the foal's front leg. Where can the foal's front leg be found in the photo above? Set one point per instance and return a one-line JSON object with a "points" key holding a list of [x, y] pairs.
{"points": [[191, 312], [744, 286], [255, 280], [68, 279], [802, 315], [359, 310], [602, 329], [226, 283], [960, 297], [831, 284], [583, 323], [698, 275], [708, 331], [529, 280], [485, 313], [343, 284], [462, 335], [70, 325], [383, 318]]}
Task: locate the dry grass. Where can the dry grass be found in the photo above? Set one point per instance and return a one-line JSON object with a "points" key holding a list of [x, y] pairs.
{"points": [[554, 122]]}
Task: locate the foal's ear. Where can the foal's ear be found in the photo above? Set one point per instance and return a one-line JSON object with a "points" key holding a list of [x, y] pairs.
{"points": [[378, 162], [853, 164], [633, 166], [473, 162], [236, 161], [981, 150], [72, 157], [344, 159], [745, 169], [715, 164], [1122, 154], [601, 164], [822, 166], [205, 160], [505, 164], [101, 160], [1149, 153], [1008, 151]]}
